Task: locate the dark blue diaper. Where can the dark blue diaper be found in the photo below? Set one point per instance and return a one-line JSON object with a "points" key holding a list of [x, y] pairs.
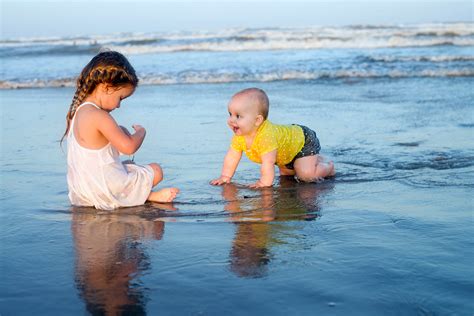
{"points": [[311, 145]]}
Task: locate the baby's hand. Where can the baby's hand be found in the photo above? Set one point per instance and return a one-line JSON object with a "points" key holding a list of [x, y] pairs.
{"points": [[220, 181], [258, 184]]}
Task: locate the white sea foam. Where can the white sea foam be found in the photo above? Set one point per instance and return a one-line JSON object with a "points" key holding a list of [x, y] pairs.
{"points": [[194, 77], [433, 59], [37, 83], [459, 34], [313, 43]]}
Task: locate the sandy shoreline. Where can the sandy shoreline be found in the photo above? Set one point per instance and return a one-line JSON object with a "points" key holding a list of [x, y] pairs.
{"points": [[388, 235]]}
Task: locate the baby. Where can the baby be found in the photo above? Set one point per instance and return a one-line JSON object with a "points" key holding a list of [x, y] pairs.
{"points": [[293, 148]]}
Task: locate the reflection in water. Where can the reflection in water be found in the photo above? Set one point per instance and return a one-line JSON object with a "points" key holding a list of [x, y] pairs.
{"points": [[256, 218], [110, 256], [110, 259]]}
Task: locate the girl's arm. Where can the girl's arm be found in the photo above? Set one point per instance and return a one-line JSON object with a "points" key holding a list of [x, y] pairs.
{"points": [[267, 170], [126, 143], [231, 161]]}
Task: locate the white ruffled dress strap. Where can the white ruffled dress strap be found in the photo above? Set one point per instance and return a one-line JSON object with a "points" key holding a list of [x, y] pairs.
{"points": [[90, 104], [80, 106]]}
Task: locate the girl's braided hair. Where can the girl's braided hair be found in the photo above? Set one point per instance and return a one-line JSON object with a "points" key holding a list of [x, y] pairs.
{"points": [[110, 68]]}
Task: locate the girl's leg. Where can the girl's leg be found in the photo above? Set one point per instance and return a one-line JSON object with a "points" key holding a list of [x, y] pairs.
{"points": [[313, 168], [158, 173], [163, 195]]}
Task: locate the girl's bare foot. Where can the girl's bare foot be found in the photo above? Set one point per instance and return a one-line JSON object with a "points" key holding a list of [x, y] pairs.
{"points": [[165, 195]]}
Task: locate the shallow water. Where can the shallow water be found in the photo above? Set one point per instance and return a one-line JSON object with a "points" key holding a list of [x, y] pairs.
{"points": [[391, 234]]}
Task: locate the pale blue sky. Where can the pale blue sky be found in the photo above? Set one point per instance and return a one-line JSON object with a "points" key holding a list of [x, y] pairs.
{"points": [[32, 18]]}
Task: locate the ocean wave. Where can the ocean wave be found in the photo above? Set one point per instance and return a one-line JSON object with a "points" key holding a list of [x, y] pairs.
{"points": [[203, 77], [285, 44], [433, 59], [157, 46], [37, 83], [369, 37]]}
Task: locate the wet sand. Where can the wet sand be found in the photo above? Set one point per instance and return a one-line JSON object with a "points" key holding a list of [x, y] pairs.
{"points": [[390, 234]]}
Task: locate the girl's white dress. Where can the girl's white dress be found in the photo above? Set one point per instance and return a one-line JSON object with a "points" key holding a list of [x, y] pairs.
{"points": [[97, 177]]}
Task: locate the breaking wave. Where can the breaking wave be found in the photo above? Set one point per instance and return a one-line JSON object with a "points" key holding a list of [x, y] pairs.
{"points": [[196, 77], [359, 37]]}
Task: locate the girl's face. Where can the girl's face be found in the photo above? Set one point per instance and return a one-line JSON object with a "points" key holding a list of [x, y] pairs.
{"points": [[110, 97], [244, 118]]}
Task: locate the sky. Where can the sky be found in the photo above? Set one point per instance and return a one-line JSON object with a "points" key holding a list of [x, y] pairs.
{"points": [[40, 18]]}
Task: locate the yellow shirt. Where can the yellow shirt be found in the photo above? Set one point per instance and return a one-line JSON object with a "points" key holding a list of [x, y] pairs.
{"points": [[286, 139]]}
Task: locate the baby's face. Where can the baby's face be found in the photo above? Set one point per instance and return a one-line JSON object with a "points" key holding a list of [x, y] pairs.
{"points": [[243, 117]]}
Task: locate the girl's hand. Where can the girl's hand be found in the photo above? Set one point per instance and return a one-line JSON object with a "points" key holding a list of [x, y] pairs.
{"points": [[221, 180], [138, 128], [125, 130]]}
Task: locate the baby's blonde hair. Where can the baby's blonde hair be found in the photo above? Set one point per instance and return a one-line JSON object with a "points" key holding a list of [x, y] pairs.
{"points": [[109, 67], [258, 98]]}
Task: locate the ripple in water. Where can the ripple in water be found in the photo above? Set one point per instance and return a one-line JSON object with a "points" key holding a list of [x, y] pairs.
{"points": [[287, 201], [425, 169]]}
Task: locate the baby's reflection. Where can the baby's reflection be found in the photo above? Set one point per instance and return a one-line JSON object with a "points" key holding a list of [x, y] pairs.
{"points": [[110, 259], [252, 214]]}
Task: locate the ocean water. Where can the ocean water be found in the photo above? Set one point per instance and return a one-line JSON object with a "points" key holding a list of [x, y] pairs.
{"points": [[244, 55], [390, 234]]}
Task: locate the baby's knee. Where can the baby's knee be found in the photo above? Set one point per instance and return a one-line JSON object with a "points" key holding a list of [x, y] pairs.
{"points": [[158, 173], [306, 175]]}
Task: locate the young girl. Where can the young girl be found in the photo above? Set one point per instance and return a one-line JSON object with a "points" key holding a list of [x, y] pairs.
{"points": [[96, 176]]}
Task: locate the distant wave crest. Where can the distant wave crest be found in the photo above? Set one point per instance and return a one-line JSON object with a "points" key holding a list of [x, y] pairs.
{"points": [[196, 77], [424, 35], [432, 59]]}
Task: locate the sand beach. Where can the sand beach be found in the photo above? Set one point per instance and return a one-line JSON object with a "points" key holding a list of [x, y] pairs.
{"points": [[391, 234]]}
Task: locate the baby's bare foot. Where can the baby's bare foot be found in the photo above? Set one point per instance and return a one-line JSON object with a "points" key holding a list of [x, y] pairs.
{"points": [[324, 170], [165, 195], [332, 170]]}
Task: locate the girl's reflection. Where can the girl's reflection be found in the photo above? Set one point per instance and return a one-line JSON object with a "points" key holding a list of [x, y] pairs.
{"points": [[110, 259], [254, 235]]}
